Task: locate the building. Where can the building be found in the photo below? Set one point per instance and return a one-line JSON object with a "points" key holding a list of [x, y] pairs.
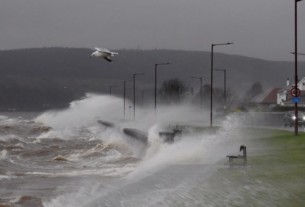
{"points": [[284, 97], [281, 96]]}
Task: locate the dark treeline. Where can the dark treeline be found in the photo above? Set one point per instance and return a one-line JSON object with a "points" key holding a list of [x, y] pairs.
{"points": [[46, 78]]}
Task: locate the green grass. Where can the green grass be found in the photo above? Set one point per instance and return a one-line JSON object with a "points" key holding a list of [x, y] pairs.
{"points": [[274, 177]]}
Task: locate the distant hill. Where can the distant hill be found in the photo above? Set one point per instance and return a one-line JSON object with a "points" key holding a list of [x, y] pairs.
{"points": [[44, 78]]}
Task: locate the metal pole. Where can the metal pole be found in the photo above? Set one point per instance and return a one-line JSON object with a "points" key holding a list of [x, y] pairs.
{"points": [[142, 98], [110, 89], [296, 63], [124, 98], [156, 67], [134, 95], [211, 90], [200, 91], [224, 86], [212, 59]]}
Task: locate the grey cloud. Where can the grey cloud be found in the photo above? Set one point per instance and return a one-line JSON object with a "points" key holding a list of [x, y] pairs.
{"points": [[259, 28]]}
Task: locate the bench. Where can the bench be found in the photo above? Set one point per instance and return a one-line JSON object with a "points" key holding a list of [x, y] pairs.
{"points": [[242, 157]]}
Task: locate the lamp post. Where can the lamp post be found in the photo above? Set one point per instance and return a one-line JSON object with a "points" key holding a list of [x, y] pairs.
{"points": [[110, 89], [156, 67], [296, 105], [142, 98], [224, 86], [200, 79], [134, 94], [296, 62], [124, 96], [212, 62]]}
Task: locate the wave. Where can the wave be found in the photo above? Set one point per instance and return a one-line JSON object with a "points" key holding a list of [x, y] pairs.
{"points": [[24, 201]]}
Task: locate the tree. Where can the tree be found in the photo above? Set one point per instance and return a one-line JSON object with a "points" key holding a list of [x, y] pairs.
{"points": [[172, 90]]}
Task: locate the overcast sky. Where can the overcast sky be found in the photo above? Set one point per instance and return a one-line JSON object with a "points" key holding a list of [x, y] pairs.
{"points": [[259, 28]]}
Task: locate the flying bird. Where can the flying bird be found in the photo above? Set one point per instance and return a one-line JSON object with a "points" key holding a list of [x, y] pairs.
{"points": [[103, 53]]}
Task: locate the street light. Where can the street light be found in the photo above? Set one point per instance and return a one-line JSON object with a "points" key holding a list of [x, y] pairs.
{"points": [[124, 95], [156, 67], [296, 62], [296, 105], [200, 78], [142, 98], [134, 94], [224, 86], [212, 59], [110, 89]]}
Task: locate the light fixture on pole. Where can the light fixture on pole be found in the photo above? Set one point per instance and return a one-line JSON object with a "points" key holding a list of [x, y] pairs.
{"points": [[134, 94], [156, 67], [212, 62]]}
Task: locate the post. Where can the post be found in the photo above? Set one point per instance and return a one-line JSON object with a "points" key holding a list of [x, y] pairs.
{"points": [[224, 86], [142, 98], [200, 91], [156, 90], [201, 98], [124, 98], [134, 94], [211, 89], [156, 67], [110, 90], [296, 127], [212, 68]]}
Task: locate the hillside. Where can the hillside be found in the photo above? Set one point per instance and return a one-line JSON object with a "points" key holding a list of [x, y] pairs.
{"points": [[44, 78]]}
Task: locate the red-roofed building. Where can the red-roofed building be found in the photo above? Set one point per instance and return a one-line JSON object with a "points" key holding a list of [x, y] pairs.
{"points": [[281, 96], [284, 97], [269, 97]]}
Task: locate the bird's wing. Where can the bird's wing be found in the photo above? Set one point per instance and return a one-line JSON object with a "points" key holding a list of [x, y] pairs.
{"points": [[114, 53], [108, 59], [102, 50], [98, 49]]}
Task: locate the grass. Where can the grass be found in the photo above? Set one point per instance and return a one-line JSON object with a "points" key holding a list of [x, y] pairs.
{"points": [[274, 177]]}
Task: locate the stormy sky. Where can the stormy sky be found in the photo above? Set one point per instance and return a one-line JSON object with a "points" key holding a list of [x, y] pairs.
{"points": [[259, 28]]}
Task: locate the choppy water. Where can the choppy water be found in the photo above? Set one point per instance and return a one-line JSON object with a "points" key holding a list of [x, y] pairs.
{"points": [[67, 159]]}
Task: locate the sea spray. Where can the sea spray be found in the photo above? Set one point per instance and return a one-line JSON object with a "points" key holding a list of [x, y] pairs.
{"points": [[84, 112], [82, 115]]}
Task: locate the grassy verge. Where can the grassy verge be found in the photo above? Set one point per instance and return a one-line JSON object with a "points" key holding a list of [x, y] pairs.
{"points": [[273, 177]]}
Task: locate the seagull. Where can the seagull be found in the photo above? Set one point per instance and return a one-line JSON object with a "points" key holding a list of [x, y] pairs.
{"points": [[103, 53]]}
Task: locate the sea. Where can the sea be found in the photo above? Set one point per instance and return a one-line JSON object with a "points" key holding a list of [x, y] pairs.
{"points": [[80, 156]]}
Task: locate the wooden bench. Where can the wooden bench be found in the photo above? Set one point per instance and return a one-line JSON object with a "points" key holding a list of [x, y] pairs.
{"points": [[242, 157]]}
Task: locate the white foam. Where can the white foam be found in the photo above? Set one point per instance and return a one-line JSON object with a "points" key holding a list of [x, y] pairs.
{"points": [[3, 155], [82, 113]]}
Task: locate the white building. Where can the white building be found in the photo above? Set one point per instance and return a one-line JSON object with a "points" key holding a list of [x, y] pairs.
{"points": [[284, 97]]}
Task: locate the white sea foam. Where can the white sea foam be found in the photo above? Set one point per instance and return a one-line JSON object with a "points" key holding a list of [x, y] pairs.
{"points": [[3, 155], [201, 149], [82, 113]]}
